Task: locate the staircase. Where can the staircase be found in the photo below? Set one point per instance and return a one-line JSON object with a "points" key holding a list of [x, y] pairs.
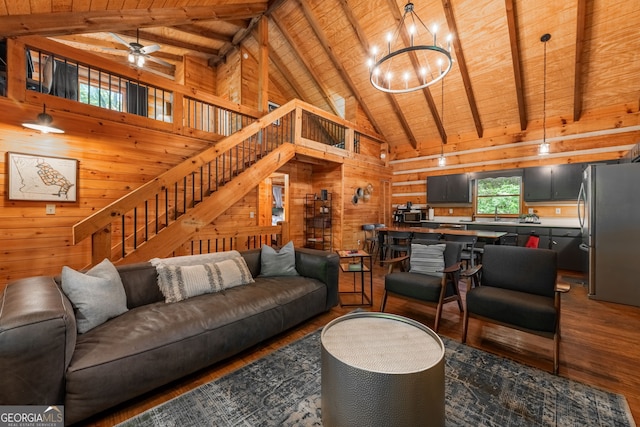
{"points": [[161, 215]]}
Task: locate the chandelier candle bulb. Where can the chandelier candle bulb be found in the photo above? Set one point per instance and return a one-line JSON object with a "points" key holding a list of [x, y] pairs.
{"points": [[411, 57]]}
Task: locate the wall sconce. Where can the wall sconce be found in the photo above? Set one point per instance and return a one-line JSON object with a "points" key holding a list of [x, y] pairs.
{"points": [[43, 123]]}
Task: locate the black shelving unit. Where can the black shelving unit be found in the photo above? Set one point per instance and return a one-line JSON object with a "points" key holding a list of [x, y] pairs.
{"points": [[317, 221]]}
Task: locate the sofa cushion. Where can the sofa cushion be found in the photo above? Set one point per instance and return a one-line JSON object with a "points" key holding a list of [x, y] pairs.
{"points": [[278, 263], [427, 259], [97, 295], [185, 281], [152, 345]]}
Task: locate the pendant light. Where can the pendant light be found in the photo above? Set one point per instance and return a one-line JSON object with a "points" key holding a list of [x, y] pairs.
{"points": [[442, 161], [543, 149], [43, 123]]}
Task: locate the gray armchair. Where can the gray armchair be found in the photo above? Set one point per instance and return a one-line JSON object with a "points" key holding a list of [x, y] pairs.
{"points": [[433, 288], [517, 288]]}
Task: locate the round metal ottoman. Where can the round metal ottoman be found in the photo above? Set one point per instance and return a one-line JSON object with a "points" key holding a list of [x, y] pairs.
{"points": [[380, 369]]}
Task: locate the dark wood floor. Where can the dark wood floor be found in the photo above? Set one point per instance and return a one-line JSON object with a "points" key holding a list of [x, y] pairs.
{"points": [[599, 345]]}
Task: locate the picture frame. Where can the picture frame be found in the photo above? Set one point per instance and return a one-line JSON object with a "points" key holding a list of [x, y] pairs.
{"points": [[42, 178], [272, 106]]}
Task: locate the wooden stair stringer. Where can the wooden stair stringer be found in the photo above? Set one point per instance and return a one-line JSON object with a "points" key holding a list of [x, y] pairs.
{"points": [[181, 230]]}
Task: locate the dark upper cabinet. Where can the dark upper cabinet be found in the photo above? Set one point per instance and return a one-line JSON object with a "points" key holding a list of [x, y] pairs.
{"points": [[537, 183], [449, 189], [566, 181], [550, 183]]}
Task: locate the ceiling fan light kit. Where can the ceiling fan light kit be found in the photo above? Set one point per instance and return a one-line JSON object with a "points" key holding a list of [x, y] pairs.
{"points": [[408, 68], [138, 54]]}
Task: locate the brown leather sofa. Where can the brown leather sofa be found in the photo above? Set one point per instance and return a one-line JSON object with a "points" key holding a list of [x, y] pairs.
{"points": [[44, 361]]}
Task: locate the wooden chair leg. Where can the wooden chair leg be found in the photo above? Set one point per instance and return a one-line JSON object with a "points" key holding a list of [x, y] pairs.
{"points": [[465, 324], [384, 301], [556, 352]]}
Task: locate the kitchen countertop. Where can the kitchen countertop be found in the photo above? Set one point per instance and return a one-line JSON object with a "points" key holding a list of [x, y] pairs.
{"points": [[509, 222]]}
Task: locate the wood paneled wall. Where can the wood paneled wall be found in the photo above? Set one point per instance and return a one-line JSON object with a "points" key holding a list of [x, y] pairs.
{"points": [[118, 154], [599, 135], [113, 159]]}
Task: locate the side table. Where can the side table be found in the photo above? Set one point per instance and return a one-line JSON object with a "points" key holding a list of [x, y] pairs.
{"points": [[354, 262], [380, 369]]}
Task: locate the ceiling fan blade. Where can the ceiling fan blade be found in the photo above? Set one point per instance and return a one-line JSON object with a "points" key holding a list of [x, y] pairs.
{"points": [[159, 61], [120, 39], [150, 49]]}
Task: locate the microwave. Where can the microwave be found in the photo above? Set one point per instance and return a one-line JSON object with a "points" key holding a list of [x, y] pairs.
{"points": [[411, 216]]}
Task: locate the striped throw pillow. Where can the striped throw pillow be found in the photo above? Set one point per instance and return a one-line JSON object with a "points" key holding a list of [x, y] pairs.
{"points": [[427, 259], [186, 281]]}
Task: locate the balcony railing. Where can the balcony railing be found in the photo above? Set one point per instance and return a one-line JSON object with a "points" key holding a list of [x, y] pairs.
{"points": [[134, 220]]}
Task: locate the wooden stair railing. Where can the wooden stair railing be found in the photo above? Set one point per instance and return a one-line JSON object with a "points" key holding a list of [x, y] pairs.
{"points": [[161, 215], [190, 195]]}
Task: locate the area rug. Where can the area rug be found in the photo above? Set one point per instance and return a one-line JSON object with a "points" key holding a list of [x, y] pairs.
{"points": [[283, 389]]}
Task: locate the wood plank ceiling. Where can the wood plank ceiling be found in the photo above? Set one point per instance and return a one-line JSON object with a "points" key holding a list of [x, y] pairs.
{"points": [[318, 52]]}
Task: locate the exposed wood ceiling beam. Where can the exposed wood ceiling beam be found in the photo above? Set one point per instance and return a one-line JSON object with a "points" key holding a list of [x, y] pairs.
{"points": [[244, 33], [63, 23], [263, 64], [107, 48], [462, 65], [581, 19], [512, 27], [306, 10], [303, 59], [203, 32], [275, 82], [393, 6], [154, 38]]}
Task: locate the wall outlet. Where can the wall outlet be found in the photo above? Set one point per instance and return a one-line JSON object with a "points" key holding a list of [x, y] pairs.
{"points": [[358, 244], [530, 211], [251, 214], [50, 209], [450, 210], [558, 211]]}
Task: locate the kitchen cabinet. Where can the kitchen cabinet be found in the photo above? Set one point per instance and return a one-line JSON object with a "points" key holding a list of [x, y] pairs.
{"points": [[566, 241], [552, 183], [449, 189], [543, 233], [566, 181]]}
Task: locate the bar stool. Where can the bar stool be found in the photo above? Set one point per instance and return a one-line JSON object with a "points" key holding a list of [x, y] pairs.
{"points": [[425, 237], [380, 237], [469, 254], [398, 242], [370, 242]]}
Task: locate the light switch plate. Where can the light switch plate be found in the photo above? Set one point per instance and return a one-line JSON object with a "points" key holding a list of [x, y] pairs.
{"points": [[50, 209], [558, 211]]}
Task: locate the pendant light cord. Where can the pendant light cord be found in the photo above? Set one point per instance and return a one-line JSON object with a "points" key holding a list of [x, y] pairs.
{"points": [[442, 114], [544, 97]]}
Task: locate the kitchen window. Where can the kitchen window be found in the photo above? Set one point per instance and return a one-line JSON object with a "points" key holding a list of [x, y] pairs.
{"points": [[499, 195]]}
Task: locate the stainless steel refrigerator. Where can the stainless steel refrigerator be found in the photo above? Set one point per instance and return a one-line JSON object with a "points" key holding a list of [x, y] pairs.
{"points": [[609, 214]]}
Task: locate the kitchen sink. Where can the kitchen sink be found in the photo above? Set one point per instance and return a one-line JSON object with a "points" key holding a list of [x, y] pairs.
{"points": [[498, 222]]}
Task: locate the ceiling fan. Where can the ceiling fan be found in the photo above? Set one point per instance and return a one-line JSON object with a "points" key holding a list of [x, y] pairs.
{"points": [[138, 53]]}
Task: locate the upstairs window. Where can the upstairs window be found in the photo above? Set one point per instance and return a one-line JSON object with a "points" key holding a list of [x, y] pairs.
{"points": [[498, 194]]}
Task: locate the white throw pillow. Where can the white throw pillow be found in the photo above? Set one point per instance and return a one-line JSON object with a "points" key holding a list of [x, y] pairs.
{"points": [[180, 282], [97, 295], [278, 263], [427, 259]]}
